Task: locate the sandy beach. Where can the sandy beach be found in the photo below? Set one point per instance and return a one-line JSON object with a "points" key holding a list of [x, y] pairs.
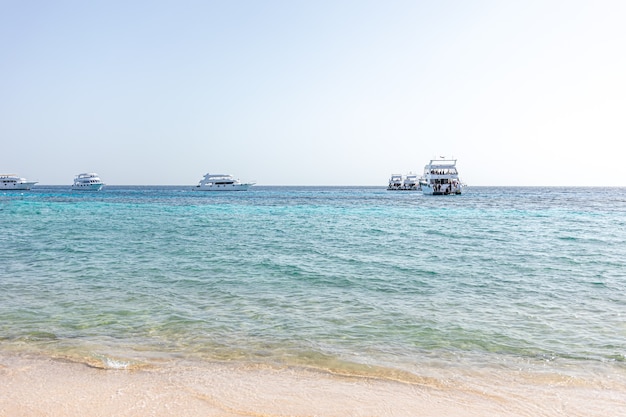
{"points": [[42, 386]]}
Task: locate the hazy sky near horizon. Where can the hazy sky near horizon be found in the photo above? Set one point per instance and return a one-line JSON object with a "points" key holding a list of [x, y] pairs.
{"points": [[342, 92]]}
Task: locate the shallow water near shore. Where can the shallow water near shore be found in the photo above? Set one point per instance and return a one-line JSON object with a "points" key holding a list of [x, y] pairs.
{"points": [[483, 292]]}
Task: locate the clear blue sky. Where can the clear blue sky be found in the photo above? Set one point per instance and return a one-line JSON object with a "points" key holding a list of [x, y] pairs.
{"points": [[313, 92]]}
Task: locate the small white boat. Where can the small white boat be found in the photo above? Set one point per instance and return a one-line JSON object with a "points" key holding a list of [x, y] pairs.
{"points": [[395, 182], [441, 178], [89, 181], [221, 182], [15, 182], [411, 182]]}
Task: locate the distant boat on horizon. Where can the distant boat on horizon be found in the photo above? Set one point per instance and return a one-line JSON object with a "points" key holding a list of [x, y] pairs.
{"points": [[441, 178], [15, 182], [409, 182], [89, 181], [221, 182]]}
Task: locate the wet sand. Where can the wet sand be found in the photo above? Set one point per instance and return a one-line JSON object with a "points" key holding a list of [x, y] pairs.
{"points": [[42, 386]]}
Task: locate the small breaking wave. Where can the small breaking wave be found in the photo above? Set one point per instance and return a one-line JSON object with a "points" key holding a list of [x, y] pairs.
{"points": [[109, 363]]}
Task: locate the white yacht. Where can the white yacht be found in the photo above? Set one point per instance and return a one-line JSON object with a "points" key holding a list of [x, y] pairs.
{"points": [[441, 178], [89, 181], [221, 182], [411, 182], [14, 182], [395, 182]]}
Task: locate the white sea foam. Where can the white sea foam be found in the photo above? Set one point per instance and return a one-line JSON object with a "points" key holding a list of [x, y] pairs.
{"points": [[111, 363]]}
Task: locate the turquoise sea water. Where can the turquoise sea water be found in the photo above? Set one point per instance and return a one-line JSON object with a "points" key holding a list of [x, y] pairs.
{"points": [[332, 277]]}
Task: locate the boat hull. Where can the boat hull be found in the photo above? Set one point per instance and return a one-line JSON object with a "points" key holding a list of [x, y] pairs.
{"points": [[88, 187], [403, 189], [427, 189], [17, 186], [223, 187]]}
